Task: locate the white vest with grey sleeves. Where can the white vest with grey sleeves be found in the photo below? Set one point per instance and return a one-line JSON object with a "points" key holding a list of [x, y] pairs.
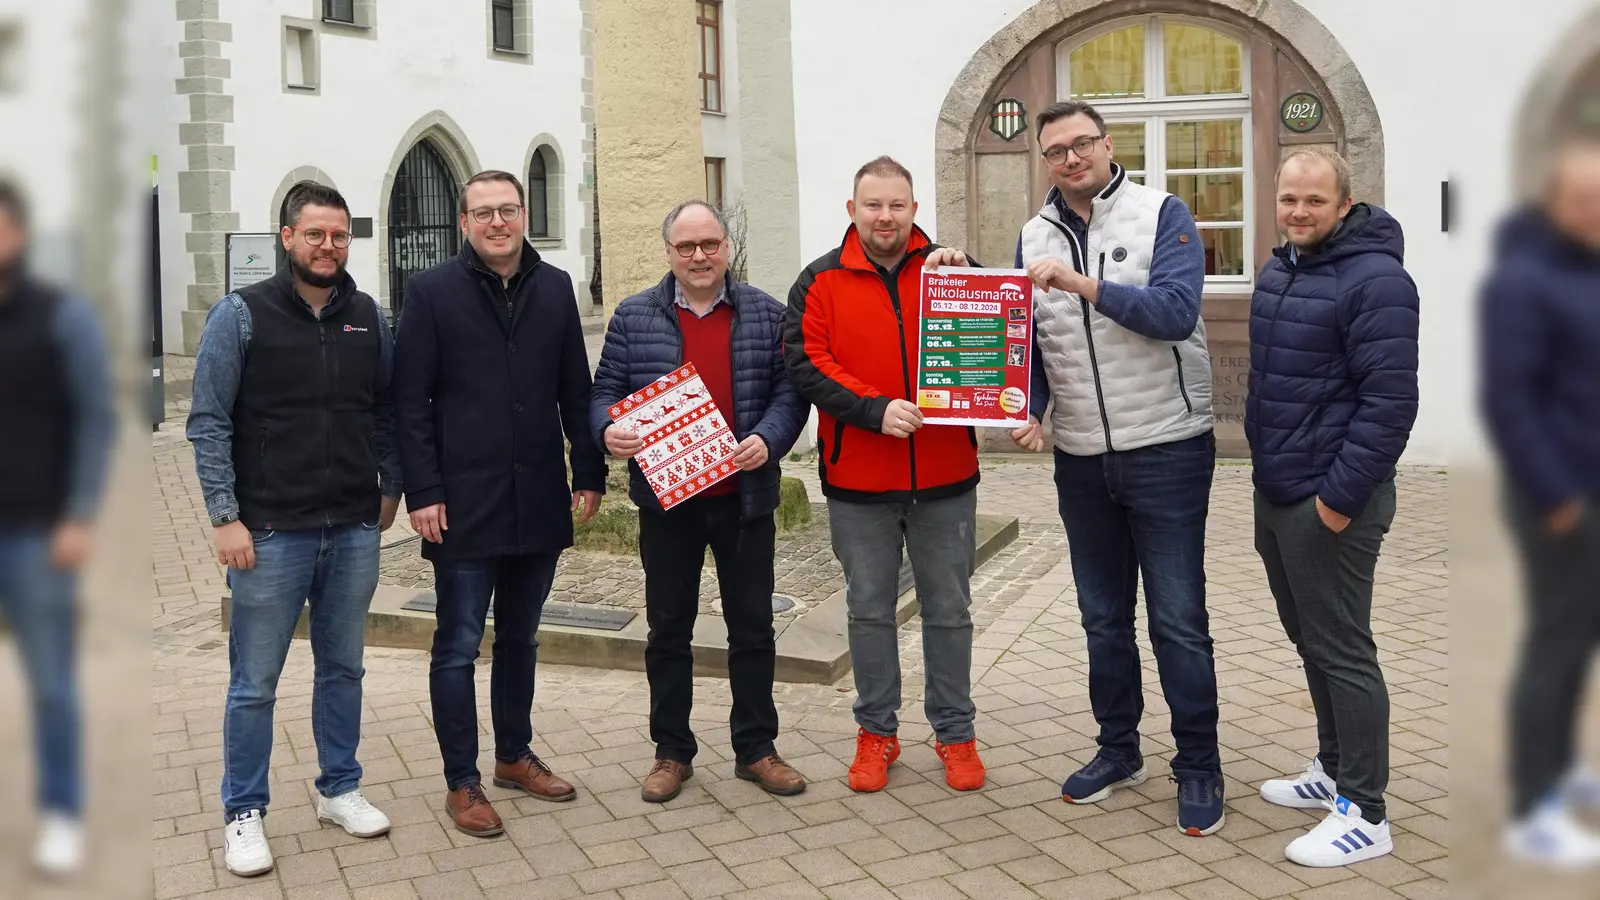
{"points": [[1113, 388]]}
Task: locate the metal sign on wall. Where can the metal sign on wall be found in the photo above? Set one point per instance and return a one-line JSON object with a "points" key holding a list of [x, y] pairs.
{"points": [[251, 258], [1008, 119], [1301, 112]]}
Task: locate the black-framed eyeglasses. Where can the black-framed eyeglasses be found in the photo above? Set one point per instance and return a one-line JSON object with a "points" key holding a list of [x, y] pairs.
{"points": [[1083, 146], [316, 236], [708, 247], [483, 215]]}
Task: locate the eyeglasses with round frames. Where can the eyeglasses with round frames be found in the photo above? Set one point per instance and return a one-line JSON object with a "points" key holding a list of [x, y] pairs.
{"points": [[708, 247], [1084, 147], [316, 236], [483, 215]]}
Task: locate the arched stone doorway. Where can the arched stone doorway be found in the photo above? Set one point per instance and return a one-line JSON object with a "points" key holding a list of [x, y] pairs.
{"points": [[1563, 101], [417, 222], [1202, 99], [423, 230]]}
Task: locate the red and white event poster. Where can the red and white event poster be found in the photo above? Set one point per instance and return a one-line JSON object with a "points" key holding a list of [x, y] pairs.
{"points": [[974, 346], [688, 445]]}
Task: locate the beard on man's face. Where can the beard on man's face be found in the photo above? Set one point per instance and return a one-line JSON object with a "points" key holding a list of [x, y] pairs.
{"points": [[316, 279]]}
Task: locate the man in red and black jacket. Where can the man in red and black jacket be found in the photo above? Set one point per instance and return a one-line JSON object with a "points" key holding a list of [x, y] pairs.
{"points": [[849, 340]]}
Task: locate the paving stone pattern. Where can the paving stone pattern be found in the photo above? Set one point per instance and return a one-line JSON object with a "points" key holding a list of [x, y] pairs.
{"points": [[918, 839]]}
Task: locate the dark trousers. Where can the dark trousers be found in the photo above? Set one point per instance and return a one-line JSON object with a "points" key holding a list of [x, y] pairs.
{"points": [[519, 586], [1322, 583], [1136, 512], [672, 547], [1560, 577]]}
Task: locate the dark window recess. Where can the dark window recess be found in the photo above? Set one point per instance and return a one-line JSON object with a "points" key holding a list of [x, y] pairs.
{"points": [[538, 196], [505, 37], [343, 11], [422, 218]]}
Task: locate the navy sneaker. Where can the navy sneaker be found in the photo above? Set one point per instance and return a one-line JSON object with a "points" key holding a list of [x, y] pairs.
{"points": [[1200, 804], [1099, 778]]}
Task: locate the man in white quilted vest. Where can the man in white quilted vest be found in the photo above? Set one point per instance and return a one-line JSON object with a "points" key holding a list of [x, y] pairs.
{"points": [[1118, 269]]}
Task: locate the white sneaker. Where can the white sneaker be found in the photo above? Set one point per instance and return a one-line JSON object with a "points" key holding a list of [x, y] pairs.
{"points": [[245, 850], [1312, 790], [354, 814], [59, 850], [1343, 838], [1553, 837], [1581, 788]]}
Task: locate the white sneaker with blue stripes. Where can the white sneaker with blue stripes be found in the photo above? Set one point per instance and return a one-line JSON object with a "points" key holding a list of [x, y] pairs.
{"points": [[1312, 790], [1553, 836], [1343, 838]]}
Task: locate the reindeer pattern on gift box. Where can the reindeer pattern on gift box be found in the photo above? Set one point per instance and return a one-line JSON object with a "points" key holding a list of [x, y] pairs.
{"points": [[688, 445]]}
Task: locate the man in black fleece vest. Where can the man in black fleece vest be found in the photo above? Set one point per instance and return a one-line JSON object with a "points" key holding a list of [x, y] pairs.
{"points": [[55, 401]]}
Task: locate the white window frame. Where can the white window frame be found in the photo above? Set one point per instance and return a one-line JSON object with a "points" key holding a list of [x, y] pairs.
{"points": [[1155, 109]]}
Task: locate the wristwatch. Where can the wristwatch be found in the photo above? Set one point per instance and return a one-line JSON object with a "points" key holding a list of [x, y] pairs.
{"points": [[224, 519]]}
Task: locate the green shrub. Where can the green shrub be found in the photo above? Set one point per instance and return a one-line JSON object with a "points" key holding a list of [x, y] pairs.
{"points": [[794, 506]]}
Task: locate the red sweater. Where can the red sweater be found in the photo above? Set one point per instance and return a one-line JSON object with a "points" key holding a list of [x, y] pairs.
{"points": [[708, 343]]}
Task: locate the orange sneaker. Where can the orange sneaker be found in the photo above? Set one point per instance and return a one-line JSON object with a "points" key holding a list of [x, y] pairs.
{"points": [[874, 753], [963, 770]]}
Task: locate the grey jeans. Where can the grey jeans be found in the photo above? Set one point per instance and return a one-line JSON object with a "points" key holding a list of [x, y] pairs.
{"points": [[940, 536], [1323, 585]]}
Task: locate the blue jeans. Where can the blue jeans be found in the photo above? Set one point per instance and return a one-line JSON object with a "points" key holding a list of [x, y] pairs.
{"points": [[1144, 511], [519, 586], [40, 601], [336, 569]]}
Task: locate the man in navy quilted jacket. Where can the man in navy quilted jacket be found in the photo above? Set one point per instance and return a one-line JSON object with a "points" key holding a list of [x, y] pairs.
{"points": [[733, 334], [1540, 387], [1333, 395]]}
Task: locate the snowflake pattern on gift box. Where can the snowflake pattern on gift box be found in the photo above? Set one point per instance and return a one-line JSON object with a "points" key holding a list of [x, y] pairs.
{"points": [[687, 441]]}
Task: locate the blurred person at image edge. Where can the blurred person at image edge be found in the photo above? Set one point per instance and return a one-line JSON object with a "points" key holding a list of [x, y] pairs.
{"points": [[1539, 326], [55, 398]]}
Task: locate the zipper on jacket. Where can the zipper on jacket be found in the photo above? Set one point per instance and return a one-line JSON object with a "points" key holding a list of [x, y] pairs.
{"points": [[732, 415], [327, 424], [1181, 389], [838, 442], [891, 282], [1082, 253], [1272, 330], [1094, 363]]}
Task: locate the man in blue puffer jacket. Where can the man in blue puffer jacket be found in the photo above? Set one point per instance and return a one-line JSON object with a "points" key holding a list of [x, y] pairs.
{"points": [[1333, 395], [1540, 324], [733, 334]]}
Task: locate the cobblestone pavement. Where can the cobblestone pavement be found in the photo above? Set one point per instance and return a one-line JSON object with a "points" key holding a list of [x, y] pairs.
{"points": [[918, 839], [804, 562]]}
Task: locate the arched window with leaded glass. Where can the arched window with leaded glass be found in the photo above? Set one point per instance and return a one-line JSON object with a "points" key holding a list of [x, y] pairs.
{"points": [[1175, 96]]}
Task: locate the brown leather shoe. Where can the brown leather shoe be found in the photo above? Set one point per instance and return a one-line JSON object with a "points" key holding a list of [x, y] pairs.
{"points": [[774, 775], [665, 780], [530, 774], [471, 812]]}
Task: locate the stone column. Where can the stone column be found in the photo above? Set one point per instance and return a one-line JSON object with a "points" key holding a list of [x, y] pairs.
{"points": [[771, 189], [648, 154], [586, 204], [205, 184]]}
